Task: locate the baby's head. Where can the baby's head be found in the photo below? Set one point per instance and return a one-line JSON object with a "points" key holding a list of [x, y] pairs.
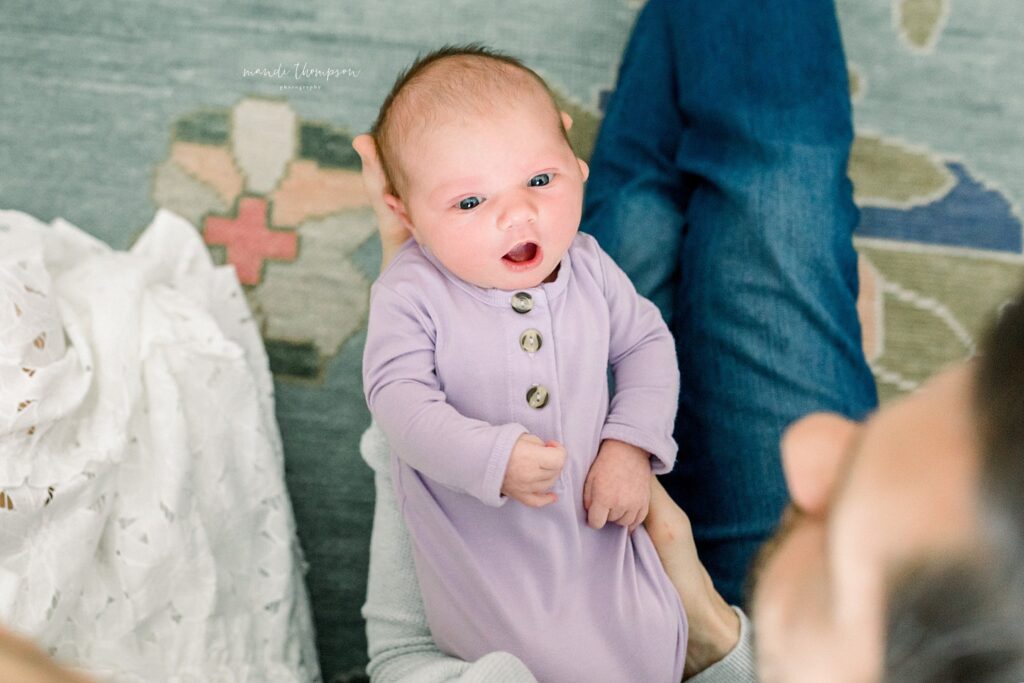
{"points": [[479, 166]]}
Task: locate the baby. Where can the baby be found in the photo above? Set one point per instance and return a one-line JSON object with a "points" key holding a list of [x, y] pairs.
{"points": [[489, 340]]}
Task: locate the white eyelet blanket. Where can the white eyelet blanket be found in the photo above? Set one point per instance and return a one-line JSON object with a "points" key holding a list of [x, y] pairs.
{"points": [[145, 530]]}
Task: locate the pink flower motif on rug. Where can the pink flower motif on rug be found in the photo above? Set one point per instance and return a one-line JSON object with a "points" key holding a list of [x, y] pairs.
{"points": [[248, 240]]}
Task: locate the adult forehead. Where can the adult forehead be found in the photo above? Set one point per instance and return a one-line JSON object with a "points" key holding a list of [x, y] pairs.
{"points": [[932, 424], [911, 487]]}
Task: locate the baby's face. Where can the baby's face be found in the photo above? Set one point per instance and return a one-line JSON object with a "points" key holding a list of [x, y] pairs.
{"points": [[497, 199]]}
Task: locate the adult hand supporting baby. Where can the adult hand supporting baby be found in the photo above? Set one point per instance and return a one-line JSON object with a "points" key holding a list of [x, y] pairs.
{"points": [[618, 487], [532, 470], [392, 234], [714, 625]]}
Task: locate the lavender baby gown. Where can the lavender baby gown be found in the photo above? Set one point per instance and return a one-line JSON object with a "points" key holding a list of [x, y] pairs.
{"points": [[454, 374]]}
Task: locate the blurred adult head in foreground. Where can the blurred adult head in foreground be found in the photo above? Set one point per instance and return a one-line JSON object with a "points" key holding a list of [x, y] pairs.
{"points": [[900, 558]]}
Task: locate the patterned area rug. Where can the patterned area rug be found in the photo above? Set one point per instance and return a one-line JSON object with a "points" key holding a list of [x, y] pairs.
{"points": [[240, 118]]}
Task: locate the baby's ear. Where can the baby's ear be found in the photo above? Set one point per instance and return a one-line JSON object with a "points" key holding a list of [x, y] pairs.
{"points": [[397, 207], [566, 120], [584, 169]]}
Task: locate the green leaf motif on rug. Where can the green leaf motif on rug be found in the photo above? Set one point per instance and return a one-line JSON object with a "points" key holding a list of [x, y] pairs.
{"points": [[921, 21], [889, 174]]}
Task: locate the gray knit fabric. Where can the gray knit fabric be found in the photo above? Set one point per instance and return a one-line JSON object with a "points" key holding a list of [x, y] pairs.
{"points": [[738, 666]]}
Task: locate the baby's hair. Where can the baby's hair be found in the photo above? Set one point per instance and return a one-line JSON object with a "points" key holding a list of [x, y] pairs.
{"points": [[478, 80]]}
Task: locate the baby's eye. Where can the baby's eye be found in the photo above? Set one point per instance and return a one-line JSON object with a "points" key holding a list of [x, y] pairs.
{"points": [[540, 179], [469, 203]]}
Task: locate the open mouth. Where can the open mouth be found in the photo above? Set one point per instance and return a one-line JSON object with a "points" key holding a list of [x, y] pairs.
{"points": [[522, 253]]}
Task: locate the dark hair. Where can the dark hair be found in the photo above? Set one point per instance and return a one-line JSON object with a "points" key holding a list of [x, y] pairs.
{"points": [[963, 621], [449, 91], [953, 623], [999, 404]]}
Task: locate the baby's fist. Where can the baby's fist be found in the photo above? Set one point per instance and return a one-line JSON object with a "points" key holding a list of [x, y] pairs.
{"points": [[618, 486], [533, 468]]}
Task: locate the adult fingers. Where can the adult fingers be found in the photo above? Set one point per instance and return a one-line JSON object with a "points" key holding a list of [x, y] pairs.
{"points": [[373, 176], [366, 148]]}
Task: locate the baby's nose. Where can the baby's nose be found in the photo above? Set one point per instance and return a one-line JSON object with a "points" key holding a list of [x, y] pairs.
{"points": [[519, 211]]}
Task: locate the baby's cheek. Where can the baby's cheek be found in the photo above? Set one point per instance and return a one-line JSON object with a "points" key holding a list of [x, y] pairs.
{"points": [[570, 206], [568, 224], [468, 256], [472, 260]]}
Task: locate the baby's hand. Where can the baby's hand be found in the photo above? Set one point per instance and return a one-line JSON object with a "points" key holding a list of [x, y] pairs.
{"points": [[618, 486], [533, 468]]}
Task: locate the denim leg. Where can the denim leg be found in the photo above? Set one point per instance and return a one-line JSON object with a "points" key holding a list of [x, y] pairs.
{"points": [[763, 264], [634, 197]]}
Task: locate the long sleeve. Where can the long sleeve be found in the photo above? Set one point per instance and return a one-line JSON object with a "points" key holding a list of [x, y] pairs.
{"points": [[489, 579], [642, 355], [400, 646], [405, 398]]}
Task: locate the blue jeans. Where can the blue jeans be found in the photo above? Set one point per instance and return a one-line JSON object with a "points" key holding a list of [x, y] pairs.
{"points": [[718, 182]]}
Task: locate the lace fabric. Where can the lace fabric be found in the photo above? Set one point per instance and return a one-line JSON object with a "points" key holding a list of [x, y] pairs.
{"points": [[147, 531]]}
